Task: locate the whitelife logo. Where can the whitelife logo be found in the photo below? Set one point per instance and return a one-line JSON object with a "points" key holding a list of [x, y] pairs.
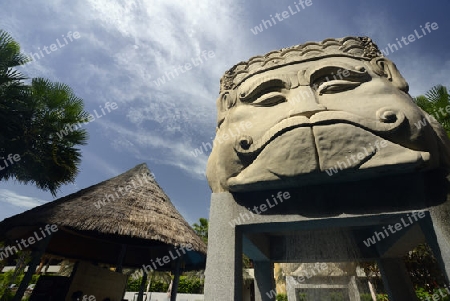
{"points": [[281, 196], [71, 36], [360, 156], [166, 259], [10, 158], [70, 128], [398, 227], [197, 61], [222, 138], [411, 38], [280, 17], [428, 119], [48, 230], [147, 179]]}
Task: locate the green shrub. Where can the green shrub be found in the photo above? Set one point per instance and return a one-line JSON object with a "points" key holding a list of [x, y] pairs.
{"points": [[282, 297], [423, 294], [5, 280], [190, 285], [336, 296], [301, 297], [366, 297], [34, 279], [382, 297], [134, 285], [436, 291], [159, 286], [8, 296]]}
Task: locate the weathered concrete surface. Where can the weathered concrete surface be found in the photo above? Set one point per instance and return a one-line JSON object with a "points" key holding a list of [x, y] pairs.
{"points": [[264, 280], [318, 147], [223, 275], [396, 279], [291, 117], [285, 232]]}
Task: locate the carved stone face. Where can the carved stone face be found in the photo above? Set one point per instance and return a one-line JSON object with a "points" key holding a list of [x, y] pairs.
{"points": [[335, 118]]}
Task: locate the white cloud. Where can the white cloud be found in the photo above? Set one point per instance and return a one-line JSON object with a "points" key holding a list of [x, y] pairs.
{"points": [[10, 197], [122, 49], [175, 152]]}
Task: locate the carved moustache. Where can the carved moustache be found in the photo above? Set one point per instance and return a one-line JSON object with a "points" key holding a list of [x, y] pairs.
{"points": [[387, 121]]}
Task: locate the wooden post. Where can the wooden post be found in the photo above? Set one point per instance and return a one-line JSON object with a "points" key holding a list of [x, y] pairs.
{"points": [[41, 265], [176, 279], [123, 251], [142, 287], [36, 259]]}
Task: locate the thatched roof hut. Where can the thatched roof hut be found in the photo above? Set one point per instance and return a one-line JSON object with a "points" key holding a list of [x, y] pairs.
{"points": [[95, 223]]}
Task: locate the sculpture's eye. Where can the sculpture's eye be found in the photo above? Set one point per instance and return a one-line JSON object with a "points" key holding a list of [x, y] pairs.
{"points": [[269, 99], [332, 80], [266, 93], [335, 86]]}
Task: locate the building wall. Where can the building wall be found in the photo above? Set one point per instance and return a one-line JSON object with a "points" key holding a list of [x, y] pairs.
{"points": [[98, 282]]}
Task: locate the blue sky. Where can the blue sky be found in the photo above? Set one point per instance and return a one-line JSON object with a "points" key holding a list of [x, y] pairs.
{"points": [[123, 49]]}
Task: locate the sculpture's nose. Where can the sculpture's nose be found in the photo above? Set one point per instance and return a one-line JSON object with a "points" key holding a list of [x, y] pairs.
{"points": [[303, 101]]}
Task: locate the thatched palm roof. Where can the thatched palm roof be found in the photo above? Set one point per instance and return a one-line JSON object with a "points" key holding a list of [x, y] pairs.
{"points": [[135, 212]]}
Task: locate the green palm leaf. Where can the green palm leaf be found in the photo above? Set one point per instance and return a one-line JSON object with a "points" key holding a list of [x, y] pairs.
{"points": [[436, 102], [32, 118]]}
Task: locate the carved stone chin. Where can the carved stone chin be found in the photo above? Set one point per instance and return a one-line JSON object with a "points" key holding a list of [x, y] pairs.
{"points": [[340, 112]]}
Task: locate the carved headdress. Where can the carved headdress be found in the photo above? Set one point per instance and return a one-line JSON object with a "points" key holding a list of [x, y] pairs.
{"points": [[355, 47]]}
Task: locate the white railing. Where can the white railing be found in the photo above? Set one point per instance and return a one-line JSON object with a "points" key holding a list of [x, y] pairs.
{"points": [[132, 296]]}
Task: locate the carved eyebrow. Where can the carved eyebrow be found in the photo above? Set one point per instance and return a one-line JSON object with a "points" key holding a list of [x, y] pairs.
{"points": [[268, 83], [355, 72]]}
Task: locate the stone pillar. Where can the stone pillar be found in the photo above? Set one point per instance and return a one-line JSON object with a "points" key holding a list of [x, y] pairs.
{"points": [[441, 246], [223, 274], [264, 281], [396, 279]]}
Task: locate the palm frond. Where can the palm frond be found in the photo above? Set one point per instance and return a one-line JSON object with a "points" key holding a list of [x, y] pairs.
{"points": [[436, 102], [437, 94], [10, 55]]}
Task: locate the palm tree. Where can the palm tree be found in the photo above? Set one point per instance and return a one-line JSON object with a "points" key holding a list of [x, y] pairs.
{"points": [[201, 229], [436, 102], [38, 124], [12, 89]]}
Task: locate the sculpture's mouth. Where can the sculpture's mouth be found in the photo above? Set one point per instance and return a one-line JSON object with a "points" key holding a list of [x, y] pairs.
{"points": [[387, 121], [312, 150]]}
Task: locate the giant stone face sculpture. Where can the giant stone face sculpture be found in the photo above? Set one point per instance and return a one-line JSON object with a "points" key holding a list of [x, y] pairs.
{"points": [[319, 112]]}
